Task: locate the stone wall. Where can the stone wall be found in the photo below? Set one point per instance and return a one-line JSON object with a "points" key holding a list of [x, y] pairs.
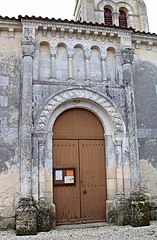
{"points": [[145, 72], [10, 67]]}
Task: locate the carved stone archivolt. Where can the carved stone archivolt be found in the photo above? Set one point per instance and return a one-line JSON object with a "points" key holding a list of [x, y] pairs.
{"points": [[77, 94]]}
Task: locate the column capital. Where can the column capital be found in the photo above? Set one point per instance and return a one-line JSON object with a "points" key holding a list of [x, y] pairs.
{"points": [[118, 143], [53, 50], [116, 14], [87, 53], [128, 55], [37, 46], [28, 49], [70, 52], [103, 55], [118, 52]]}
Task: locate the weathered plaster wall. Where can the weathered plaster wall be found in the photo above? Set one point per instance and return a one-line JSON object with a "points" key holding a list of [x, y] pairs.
{"points": [[145, 82], [10, 64]]}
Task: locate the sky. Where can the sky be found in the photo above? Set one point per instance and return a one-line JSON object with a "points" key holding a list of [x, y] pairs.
{"points": [[59, 9]]}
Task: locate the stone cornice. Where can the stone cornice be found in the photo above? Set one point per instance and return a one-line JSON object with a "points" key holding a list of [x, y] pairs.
{"points": [[10, 25], [71, 28], [148, 39]]}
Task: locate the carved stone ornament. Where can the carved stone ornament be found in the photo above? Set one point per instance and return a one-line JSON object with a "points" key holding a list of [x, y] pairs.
{"points": [[87, 53], [69, 95], [70, 52], [27, 49], [53, 49], [28, 35], [128, 55]]}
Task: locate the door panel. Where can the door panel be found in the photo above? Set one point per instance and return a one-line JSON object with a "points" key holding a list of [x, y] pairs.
{"points": [[66, 198], [78, 124], [77, 143], [93, 179]]}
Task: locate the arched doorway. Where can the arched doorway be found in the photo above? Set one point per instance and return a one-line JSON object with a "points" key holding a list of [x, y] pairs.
{"points": [[79, 167]]}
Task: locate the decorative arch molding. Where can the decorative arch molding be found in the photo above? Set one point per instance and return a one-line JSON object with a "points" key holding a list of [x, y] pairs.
{"points": [[115, 6], [58, 99], [70, 45], [101, 4], [127, 6], [44, 39]]}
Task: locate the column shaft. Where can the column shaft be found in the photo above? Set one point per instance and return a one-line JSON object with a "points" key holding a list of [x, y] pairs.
{"points": [[70, 69], [87, 69], [26, 122], [119, 169], [104, 74], [131, 120], [41, 170], [53, 66]]}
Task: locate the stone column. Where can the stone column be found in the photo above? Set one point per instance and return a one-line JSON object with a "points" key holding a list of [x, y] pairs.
{"points": [[53, 62], [103, 66], [119, 168], [41, 165], [87, 64], [70, 64], [119, 68], [115, 17], [36, 62], [26, 120], [128, 56], [111, 167], [26, 223]]}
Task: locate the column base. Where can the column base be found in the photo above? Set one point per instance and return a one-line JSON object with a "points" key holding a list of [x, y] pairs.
{"points": [[34, 217], [26, 217], [139, 210], [153, 208], [134, 211], [46, 218]]}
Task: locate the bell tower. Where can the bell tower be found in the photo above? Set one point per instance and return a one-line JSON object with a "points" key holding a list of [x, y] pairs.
{"points": [[130, 13]]}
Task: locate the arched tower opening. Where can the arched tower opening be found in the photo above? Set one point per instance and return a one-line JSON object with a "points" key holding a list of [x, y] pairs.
{"points": [[107, 16], [122, 18]]}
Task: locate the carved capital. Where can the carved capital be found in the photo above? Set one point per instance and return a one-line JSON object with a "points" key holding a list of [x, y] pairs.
{"points": [[103, 55], [115, 14], [53, 50], [118, 52], [28, 49], [87, 53], [37, 47], [128, 55], [70, 52]]}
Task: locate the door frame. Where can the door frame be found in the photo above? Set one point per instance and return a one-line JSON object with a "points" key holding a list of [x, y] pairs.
{"points": [[110, 143], [116, 142]]}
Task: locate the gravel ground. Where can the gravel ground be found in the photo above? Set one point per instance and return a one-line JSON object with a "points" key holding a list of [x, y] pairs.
{"points": [[100, 232]]}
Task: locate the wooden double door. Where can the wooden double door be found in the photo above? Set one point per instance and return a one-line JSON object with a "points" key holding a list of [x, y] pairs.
{"points": [[79, 168]]}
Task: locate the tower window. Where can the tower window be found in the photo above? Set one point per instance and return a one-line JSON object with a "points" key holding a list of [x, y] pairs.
{"points": [[122, 19], [108, 16]]}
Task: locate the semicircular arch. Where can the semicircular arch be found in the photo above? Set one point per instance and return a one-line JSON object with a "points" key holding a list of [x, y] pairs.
{"points": [[74, 97]]}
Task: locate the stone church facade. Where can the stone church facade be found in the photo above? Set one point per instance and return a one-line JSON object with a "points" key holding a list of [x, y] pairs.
{"points": [[102, 63]]}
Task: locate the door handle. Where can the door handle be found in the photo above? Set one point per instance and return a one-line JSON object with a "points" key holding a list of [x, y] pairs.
{"points": [[84, 191]]}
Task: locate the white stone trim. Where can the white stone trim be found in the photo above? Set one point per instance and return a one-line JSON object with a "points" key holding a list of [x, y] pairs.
{"points": [[114, 131], [77, 94]]}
